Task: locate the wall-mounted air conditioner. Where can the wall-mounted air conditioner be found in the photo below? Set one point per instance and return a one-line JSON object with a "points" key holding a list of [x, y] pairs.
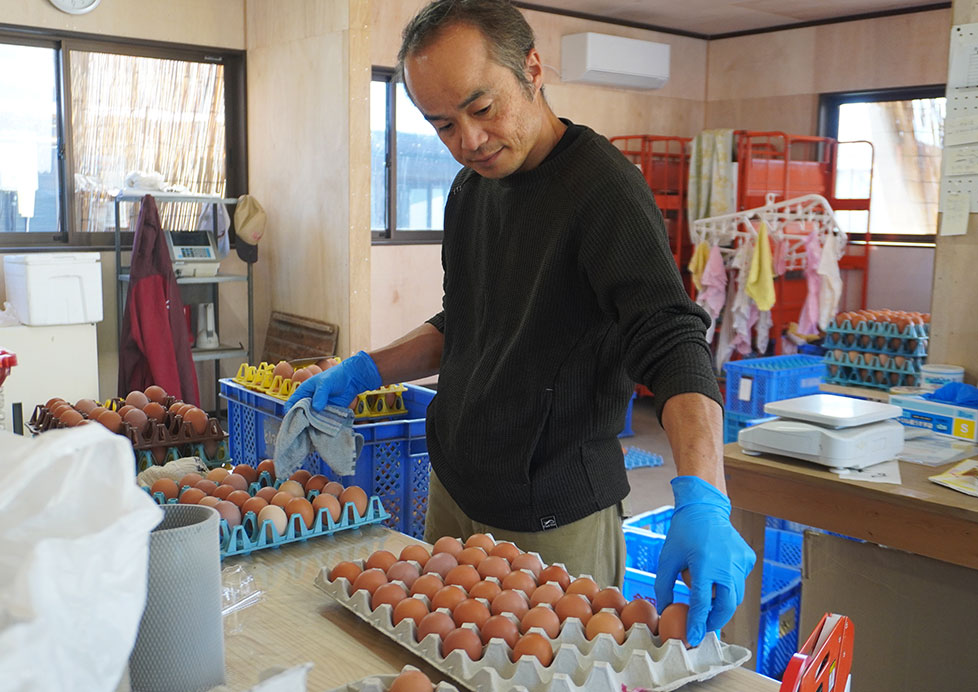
{"points": [[614, 61]]}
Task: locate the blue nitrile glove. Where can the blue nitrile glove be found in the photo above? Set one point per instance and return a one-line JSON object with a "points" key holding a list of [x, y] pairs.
{"points": [[701, 538], [340, 384]]}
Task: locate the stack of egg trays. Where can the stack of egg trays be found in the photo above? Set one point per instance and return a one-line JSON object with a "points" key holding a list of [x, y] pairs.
{"points": [[382, 683], [248, 536], [579, 664], [867, 354]]}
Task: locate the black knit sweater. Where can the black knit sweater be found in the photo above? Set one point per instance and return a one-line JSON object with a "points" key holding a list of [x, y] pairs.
{"points": [[560, 291]]}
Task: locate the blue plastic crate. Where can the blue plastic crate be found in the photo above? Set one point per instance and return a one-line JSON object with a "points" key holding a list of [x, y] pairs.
{"points": [[783, 547], [656, 520], [754, 382], [642, 549], [777, 638], [641, 584], [393, 464], [733, 423]]}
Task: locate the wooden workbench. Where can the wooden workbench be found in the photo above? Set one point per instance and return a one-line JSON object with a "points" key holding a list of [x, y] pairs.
{"points": [[917, 516], [295, 622]]}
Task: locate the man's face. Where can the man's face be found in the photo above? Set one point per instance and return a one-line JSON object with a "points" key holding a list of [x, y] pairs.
{"points": [[480, 111]]}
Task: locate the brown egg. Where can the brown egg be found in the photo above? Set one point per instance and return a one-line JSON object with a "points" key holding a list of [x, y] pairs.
{"points": [[198, 420], [358, 497], [546, 593], [605, 623], [281, 499], [369, 580], [137, 399], [410, 608], [509, 601], [154, 411], [266, 493], [191, 479], [300, 477], [672, 623], [96, 412], [464, 640], [640, 611], [573, 605], [317, 483], [71, 418], [275, 515], [136, 418], [528, 561], [155, 393], [51, 402], [300, 506], [217, 475], [209, 501], [411, 681], [283, 369], [584, 586], [85, 405], [314, 369], [402, 571], [485, 589], [448, 596], [447, 544], [471, 556], [520, 580], [229, 512], [441, 564], [557, 574], [533, 644], [440, 624], [500, 627], [185, 409], [544, 618], [348, 570], [254, 505], [418, 553], [267, 466], [608, 598], [465, 576], [391, 594], [382, 559], [330, 504], [427, 584], [333, 488], [191, 496], [470, 610], [175, 407], [207, 486], [505, 549], [111, 420], [235, 481], [301, 375], [167, 487], [480, 540], [249, 473]]}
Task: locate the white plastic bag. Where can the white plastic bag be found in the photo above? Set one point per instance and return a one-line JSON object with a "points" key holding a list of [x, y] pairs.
{"points": [[74, 545]]}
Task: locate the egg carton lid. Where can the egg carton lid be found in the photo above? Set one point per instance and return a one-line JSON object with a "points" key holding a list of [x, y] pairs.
{"points": [[381, 683], [579, 664]]}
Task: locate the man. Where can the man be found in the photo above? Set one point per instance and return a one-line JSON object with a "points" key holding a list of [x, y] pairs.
{"points": [[560, 291]]}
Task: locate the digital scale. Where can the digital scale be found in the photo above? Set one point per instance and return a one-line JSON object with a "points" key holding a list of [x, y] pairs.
{"points": [[828, 429], [193, 253]]}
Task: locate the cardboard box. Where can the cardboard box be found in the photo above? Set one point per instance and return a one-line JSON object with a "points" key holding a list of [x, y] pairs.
{"points": [[944, 419], [54, 288], [914, 617]]}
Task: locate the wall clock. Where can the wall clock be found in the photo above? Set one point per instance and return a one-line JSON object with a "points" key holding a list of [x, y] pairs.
{"points": [[76, 6]]}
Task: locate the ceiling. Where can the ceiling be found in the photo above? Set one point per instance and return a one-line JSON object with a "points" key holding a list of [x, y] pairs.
{"points": [[712, 17]]}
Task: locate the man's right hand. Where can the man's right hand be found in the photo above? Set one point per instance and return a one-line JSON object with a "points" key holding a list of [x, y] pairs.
{"points": [[340, 384]]}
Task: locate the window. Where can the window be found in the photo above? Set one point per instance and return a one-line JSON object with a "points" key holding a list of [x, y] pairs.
{"points": [[906, 130], [78, 117], [411, 171]]}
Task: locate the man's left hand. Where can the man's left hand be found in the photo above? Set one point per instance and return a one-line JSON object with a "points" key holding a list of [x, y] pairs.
{"points": [[702, 539]]}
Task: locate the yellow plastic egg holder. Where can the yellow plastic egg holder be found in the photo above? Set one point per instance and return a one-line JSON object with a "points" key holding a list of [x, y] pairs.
{"points": [[262, 378], [373, 404]]}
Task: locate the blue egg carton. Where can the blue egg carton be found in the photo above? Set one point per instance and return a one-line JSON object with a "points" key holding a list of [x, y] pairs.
{"points": [[220, 456], [884, 337], [861, 372], [636, 458]]}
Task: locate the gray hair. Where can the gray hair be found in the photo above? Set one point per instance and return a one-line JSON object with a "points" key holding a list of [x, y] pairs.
{"points": [[508, 37]]}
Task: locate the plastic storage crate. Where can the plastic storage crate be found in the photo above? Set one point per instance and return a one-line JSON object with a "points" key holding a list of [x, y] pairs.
{"points": [[777, 638], [733, 423], [656, 520], [757, 381], [642, 549], [641, 584], [783, 547], [393, 464]]}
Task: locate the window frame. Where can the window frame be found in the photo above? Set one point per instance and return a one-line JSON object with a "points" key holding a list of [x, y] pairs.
{"points": [[391, 235], [828, 126], [63, 42]]}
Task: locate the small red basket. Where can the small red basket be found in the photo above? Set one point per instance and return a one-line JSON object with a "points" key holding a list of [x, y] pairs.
{"points": [[7, 361]]}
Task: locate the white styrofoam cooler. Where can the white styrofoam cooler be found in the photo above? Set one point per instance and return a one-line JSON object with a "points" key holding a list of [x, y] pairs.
{"points": [[54, 287]]}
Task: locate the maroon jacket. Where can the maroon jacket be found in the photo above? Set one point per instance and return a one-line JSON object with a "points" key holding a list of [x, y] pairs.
{"points": [[154, 347]]}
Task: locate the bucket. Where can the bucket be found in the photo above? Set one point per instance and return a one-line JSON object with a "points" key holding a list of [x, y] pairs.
{"points": [[936, 376]]}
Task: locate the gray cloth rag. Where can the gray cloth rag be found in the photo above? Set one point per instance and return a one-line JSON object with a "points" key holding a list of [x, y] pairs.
{"points": [[328, 432]]}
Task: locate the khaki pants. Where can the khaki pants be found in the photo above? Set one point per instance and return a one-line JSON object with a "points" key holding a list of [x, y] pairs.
{"points": [[593, 545]]}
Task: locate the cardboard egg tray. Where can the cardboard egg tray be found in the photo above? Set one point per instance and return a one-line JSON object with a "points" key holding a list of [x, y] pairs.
{"points": [[382, 683], [579, 664], [249, 536]]}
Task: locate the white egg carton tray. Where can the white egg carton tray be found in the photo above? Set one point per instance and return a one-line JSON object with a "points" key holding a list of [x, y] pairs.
{"points": [[579, 665], [382, 683]]}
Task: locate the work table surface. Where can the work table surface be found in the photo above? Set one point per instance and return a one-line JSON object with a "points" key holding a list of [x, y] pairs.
{"points": [[295, 622]]}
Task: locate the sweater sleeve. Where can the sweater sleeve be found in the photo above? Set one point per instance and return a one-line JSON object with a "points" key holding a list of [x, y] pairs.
{"points": [[627, 260]]}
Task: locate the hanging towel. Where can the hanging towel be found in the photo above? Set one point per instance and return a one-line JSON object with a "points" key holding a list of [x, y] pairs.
{"points": [[724, 348], [328, 432], [760, 279], [697, 263], [830, 292], [744, 310], [808, 319], [763, 330], [710, 191], [714, 289], [780, 256]]}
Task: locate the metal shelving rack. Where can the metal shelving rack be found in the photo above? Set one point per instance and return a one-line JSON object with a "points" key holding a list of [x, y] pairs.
{"points": [[122, 275]]}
